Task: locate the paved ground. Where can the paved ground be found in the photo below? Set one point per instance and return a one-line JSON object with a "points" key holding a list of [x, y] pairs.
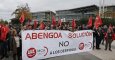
{"points": [[93, 55], [105, 55], [79, 56]]}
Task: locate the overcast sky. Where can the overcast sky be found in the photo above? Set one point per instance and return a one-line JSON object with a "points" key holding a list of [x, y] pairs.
{"points": [[8, 6]]}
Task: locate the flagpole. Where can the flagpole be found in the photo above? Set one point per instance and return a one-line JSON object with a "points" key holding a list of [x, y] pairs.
{"points": [[103, 8], [21, 26], [100, 10]]}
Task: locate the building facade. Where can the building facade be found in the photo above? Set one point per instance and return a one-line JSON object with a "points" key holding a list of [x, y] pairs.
{"points": [[85, 12], [77, 13], [109, 12], [43, 15]]}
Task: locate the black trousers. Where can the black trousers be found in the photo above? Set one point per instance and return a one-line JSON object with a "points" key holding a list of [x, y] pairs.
{"points": [[98, 41], [18, 55], [0, 48], [94, 40], [4, 49]]}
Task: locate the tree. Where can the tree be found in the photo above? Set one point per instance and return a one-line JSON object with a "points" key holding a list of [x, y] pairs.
{"points": [[6, 22], [23, 9], [3, 22]]}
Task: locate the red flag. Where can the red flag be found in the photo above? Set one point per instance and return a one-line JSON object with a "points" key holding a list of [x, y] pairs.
{"points": [[35, 24], [22, 18], [73, 24], [98, 22], [53, 21], [59, 22], [90, 22], [42, 26]]}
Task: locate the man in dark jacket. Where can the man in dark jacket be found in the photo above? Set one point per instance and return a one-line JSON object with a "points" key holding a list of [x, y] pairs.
{"points": [[98, 39]]}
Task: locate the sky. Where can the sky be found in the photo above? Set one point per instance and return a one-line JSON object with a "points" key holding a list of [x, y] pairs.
{"points": [[8, 6]]}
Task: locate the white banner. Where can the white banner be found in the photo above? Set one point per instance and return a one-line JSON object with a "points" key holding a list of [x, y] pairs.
{"points": [[41, 44]]}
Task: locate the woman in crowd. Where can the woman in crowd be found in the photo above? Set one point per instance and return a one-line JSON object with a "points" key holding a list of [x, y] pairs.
{"points": [[16, 48]]}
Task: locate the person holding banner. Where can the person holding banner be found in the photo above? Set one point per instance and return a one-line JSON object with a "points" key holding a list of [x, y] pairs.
{"points": [[94, 37]]}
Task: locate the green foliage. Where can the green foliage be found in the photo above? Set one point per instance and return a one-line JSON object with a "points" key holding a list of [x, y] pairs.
{"points": [[3, 22], [83, 21], [15, 21], [6, 22], [108, 21]]}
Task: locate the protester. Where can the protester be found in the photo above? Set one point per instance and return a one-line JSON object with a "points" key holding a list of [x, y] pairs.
{"points": [[94, 37], [4, 30], [109, 39], [98, 39], [104, 32], [0, 38], [114, 29], [12, 39], [18, 50], [101, 34], [113, 33], [16, 45]]}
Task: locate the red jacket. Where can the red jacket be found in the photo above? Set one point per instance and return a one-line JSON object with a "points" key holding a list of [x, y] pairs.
{"points": [[4, 31]]}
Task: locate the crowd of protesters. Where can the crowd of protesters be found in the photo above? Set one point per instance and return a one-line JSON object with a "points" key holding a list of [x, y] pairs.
{"points": [[10, 40], [104, 34]]}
